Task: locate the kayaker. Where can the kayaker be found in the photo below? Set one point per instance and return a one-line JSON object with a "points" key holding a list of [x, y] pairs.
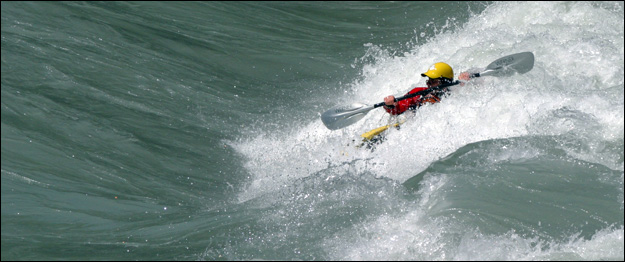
{"points": [[439, 73]]}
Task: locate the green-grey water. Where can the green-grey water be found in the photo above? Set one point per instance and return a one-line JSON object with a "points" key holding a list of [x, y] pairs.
{"points": [[192, 131]]}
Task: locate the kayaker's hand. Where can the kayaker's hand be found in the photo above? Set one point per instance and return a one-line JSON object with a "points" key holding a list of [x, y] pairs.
{"points": [[464, 77], [390, 101]]}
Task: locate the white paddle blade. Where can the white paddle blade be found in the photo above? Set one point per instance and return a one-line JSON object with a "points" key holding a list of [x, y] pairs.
{"points": [[509, 65], [342, 116]]}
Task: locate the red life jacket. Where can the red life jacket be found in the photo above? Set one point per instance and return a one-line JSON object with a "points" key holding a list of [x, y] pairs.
{"points": [[412, 103]]}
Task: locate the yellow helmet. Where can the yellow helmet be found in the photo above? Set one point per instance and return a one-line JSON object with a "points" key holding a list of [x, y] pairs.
{"points": [[439, 70]]}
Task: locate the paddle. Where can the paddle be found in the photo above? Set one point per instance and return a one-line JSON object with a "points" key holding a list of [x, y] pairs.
{"points": [[342, 116]]}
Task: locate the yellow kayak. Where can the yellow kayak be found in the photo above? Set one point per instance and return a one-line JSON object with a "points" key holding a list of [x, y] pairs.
{"points": [[374, 132], [373, 136]]}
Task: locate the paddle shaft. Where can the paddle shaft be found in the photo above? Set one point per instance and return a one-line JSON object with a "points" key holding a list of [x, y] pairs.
{"points": [[342, 116], [422, 92]]}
